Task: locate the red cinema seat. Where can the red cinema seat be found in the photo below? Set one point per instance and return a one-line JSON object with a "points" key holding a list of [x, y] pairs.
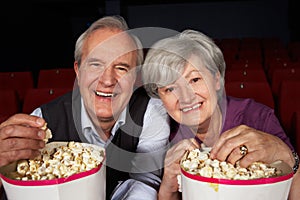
{"points": [[295, 126], [9, 103], [259, 91], [57, 78], [37, 96], [288, 102], [283, 74], [246, 74], [19, 81]]}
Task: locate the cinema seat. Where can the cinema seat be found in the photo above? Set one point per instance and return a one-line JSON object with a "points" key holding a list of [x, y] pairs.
{"points": [[57, 78], [20, 81], [288, 102], [9, 103], [37, 96], [259, 91]]}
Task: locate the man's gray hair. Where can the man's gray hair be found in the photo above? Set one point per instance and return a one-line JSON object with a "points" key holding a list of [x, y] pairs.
{"points": [[109, 22]]}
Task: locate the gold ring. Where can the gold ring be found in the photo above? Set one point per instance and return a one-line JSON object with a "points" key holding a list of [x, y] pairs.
{"points": [[243, 150]]}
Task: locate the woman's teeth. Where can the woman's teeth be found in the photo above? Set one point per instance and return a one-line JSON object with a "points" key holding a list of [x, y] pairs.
{"points": [[191, 108]]}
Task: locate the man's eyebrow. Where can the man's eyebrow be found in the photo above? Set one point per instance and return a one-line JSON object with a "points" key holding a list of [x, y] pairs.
{"points": [[95, 60], [123, 64]]}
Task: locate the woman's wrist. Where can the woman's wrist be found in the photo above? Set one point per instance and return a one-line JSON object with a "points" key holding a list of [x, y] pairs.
{"points": [[165, 193], [169, 195], [296, 165]]}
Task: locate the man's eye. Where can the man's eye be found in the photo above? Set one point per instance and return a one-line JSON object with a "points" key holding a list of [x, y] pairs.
{"points": [[95, 64], [122, 68]]}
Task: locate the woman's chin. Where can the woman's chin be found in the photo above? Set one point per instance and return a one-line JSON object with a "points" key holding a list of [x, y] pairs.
{"points": [[191, 121]]}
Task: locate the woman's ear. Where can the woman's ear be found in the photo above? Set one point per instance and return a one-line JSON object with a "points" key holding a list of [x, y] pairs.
{"points": [[218, 81]]}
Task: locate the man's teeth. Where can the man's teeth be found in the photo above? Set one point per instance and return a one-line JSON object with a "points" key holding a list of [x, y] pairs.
{"points": [[191, 108], [105, 94]]}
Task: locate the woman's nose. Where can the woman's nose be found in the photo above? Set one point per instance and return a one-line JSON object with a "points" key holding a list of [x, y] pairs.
{"points": [[186, 94]]}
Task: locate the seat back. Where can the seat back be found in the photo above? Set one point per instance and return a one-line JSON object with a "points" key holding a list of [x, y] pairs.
{"points": [[19, 81], [259, 91], [9, 103], [283, 74], [247, 74], [295, 130], [35, 97], [56, 78], [288, 102]]}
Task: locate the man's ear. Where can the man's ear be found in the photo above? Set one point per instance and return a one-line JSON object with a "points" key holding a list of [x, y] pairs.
{"points": [[76, 68]]}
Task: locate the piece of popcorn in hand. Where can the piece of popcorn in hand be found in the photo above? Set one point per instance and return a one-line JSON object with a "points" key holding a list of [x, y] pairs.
{"points": [[48, 133]]}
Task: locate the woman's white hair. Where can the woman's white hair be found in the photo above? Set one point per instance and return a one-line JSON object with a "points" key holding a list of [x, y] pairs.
{"points": [[166, 59]]}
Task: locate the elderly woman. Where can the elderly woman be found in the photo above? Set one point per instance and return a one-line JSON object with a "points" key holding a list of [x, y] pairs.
{"points": [[187, 73]]}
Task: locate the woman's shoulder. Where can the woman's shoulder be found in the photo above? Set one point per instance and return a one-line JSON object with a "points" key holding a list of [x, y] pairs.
{"points": [[246, 111], [246, 104]]}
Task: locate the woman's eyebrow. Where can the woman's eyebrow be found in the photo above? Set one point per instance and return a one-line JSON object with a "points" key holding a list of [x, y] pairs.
{"points": [[193, 71]]}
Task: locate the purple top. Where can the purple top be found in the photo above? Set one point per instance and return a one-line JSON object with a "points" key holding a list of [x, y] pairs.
{"points": [[242, 112]]}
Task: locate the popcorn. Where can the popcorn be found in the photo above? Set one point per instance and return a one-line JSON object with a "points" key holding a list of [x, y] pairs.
{"points": [[60, 162], [197, 162], [48, 132]]}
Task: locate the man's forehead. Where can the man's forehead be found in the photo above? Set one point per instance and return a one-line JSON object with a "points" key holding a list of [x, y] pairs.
{"points": [[109, 43], [110, 38]]}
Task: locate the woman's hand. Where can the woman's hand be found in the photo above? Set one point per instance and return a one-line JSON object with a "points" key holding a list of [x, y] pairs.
{"points": [[169, 185], [261, 146]]}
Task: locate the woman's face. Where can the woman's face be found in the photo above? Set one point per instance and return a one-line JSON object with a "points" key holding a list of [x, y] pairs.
{"points": [[192, 98]]}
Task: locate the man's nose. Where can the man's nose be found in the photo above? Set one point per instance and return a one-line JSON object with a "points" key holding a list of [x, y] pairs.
{"points": [[108, 77]]}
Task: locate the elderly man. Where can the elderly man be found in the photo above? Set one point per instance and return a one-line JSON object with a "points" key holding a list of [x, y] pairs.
{"points": [[104, 110]]}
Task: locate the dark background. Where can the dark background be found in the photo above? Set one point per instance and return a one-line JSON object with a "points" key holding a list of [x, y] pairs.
{"points": [[39, 34]]}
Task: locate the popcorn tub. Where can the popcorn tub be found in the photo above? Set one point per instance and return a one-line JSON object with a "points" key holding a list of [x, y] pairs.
{"points": [[196, 187], [89, 184]]}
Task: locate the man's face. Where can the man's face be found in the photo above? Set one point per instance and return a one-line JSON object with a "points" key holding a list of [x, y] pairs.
{"points": [[107, 74]]}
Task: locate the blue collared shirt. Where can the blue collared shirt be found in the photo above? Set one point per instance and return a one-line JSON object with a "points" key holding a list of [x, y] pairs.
{"points": [[153, 142]]}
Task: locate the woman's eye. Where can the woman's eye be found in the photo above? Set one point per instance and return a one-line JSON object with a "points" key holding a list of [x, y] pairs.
{"points": [[194, 80], [170, 89]]}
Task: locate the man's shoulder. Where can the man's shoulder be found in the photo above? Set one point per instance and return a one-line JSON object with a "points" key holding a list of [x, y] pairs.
{"points": [[139, 97]]}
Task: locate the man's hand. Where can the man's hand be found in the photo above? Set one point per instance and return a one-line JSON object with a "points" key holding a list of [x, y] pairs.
{"points": [[21, 137]]}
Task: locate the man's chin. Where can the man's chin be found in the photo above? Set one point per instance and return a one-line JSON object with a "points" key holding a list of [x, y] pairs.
{"points": [[106, 118]]}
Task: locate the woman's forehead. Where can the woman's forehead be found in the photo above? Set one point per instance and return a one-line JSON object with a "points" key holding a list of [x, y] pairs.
{"points": [[195, 63]]}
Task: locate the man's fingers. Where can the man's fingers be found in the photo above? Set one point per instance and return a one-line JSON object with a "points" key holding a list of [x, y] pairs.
{"points": [[15, 144], [11, 156], [20, 131], [24, 119]]}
